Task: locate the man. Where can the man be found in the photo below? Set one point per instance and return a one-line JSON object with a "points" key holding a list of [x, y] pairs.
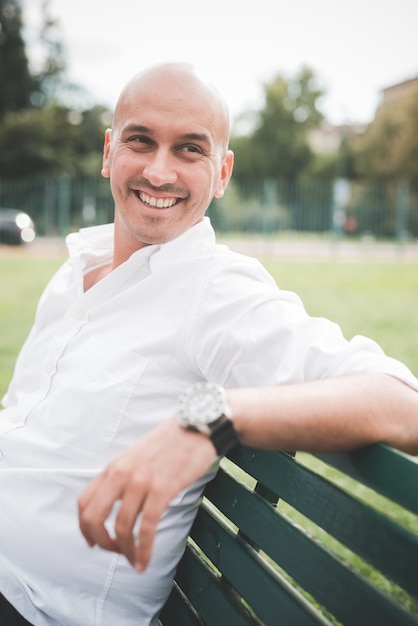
{"points": [[143, 309]]}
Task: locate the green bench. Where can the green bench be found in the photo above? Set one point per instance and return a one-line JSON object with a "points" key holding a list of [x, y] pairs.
{"points": [[282, 540]]}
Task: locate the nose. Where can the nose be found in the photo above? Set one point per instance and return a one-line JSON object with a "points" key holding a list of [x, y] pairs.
{"points": [[159, 168]]}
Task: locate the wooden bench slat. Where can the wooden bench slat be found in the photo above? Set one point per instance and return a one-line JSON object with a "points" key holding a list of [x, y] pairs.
{"points": [[249, 562], [350, 598], [178, 608], [391, 472], [266, 592], [375, 538], [217, 603]]}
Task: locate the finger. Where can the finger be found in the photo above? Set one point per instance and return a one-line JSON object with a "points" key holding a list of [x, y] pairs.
{"points": [[83, 503], [95, 505], [151, 515], [95, 531], [126, 518]]}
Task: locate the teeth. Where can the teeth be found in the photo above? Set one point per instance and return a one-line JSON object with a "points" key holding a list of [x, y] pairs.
{"points": [[159, 203]]}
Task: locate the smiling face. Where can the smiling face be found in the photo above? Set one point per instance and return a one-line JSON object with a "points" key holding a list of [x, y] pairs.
{"points": [[166, 156]]}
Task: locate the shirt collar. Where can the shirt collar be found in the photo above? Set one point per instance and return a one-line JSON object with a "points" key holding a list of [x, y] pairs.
{"points": [[93, 246], [189, 244]]}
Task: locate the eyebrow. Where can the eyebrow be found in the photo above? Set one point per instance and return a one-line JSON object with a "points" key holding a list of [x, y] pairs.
{"points": [[139, 128], [203, 137], [135, 128]]}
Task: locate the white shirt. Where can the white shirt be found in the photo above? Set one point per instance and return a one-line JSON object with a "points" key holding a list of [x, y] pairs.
{"points": [[101, 368]]}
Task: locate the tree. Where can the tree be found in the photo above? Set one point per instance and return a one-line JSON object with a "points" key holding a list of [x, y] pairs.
{"points": [[17, 83], [53, 140], [42, 131], [388, 150], [278, 147], [21, 87], [50, 75]]}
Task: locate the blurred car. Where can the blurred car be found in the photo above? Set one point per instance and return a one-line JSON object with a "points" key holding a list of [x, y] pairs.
{"points": [[16, 227]]}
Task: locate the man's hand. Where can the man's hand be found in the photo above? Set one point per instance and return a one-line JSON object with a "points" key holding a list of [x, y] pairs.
{"points": [[144, 478]]}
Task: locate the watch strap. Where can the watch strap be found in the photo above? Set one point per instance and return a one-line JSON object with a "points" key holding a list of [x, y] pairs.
{"points": [[223, 435]]}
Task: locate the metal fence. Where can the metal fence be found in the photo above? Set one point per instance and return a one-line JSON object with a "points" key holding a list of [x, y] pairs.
{"points": [[60, 205], [341, 207]]}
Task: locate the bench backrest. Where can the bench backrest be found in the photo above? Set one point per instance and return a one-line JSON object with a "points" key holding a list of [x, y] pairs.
{"points": [[303, 540]]}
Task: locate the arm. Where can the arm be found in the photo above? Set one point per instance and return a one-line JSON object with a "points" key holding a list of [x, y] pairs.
{"points": [[325, 415], [329, 415]]}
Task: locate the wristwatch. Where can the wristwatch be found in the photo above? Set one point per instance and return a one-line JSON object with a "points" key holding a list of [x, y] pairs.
{"points": [[204, 407]]}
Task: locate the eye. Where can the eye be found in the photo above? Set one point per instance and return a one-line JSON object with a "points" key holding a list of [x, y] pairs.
{"points": [[140, 139], [191, 149]]}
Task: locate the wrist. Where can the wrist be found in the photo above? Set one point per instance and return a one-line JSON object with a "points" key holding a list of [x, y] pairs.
{"points": [[204, 407]]}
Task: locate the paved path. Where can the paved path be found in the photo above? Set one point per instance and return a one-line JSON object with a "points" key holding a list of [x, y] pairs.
{"points": [[283, 247], [322, 248]]}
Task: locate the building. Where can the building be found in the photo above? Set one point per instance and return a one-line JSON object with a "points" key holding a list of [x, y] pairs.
{"points": [[400, 91]]}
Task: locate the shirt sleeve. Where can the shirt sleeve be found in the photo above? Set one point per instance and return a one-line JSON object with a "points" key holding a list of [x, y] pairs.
{"points": [[248, 332]]}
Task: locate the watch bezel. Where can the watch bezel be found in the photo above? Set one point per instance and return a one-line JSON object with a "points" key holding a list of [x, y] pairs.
{"points": [[202, 404], [213, 420]]}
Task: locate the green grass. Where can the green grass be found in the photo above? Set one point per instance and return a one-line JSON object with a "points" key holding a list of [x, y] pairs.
{"points": [[376, 299], [22, 281]]}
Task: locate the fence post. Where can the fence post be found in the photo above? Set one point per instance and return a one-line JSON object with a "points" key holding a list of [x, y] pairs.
{"points": [[402, 206], [340, 196], [64, 205], [268, 204], [48, 205]]}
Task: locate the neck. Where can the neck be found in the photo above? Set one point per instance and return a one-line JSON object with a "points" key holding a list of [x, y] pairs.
{"points": [[93, 277]]}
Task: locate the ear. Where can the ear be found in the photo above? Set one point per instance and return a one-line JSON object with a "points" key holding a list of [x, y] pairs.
{"points": [[225, 175], [106, 150]]}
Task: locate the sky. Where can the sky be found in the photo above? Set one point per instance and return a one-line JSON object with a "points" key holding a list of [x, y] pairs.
{"points": [[355, 48]]}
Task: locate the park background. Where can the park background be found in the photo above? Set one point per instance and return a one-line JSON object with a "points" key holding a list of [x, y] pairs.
{"points": [[325, 189], [324, 107], [325, 186]]}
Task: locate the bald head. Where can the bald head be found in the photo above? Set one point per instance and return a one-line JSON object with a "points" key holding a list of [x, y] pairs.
{"points": [[175, 85], [166, 156]]}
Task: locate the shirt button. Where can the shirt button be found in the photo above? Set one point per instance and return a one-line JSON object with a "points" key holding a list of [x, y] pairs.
{"points": [[79, 315], [14, 418], [49, 368]]}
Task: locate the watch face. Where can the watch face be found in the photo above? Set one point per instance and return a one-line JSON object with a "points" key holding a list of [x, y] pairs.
{"points": [[201, 404], [204, 407]]}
